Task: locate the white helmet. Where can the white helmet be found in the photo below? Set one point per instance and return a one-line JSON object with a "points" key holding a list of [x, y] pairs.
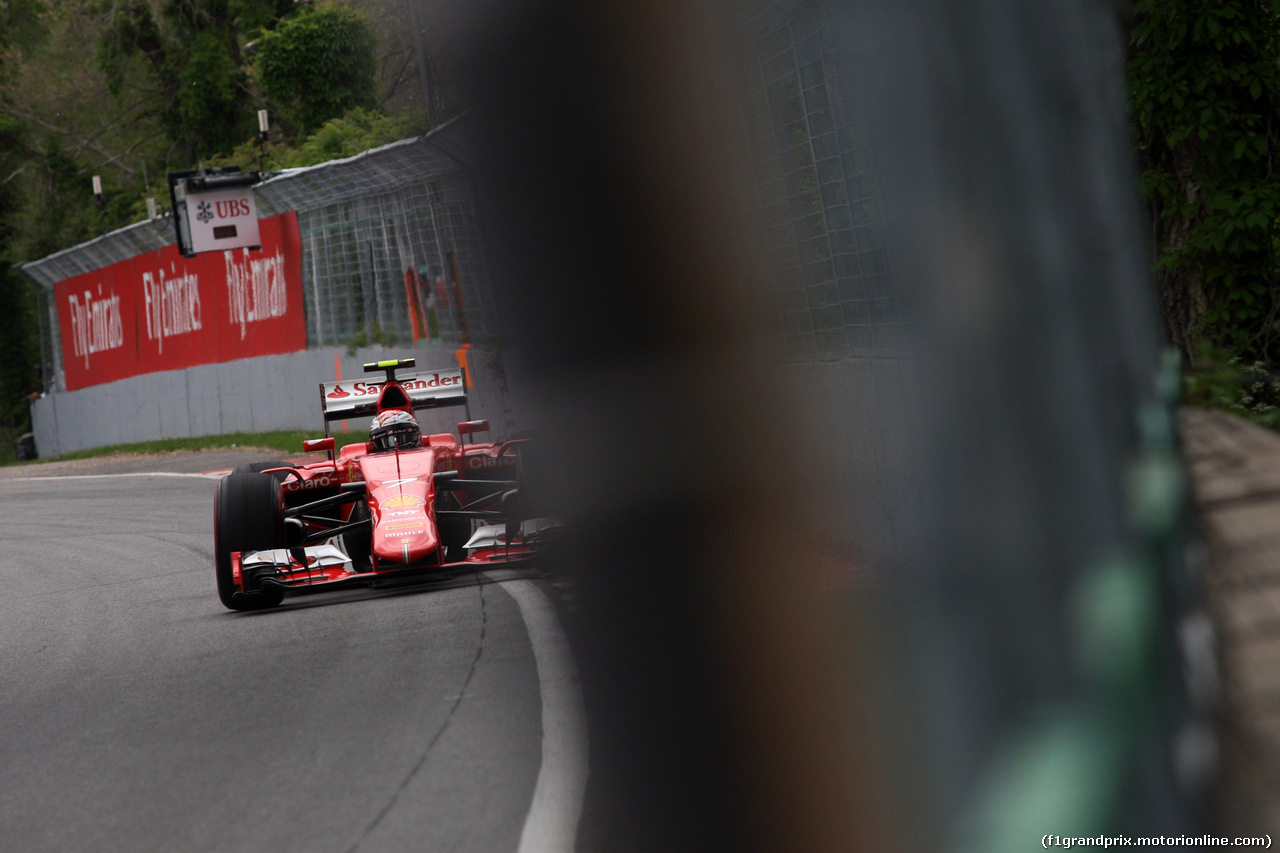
{"points": [[394, 429]]}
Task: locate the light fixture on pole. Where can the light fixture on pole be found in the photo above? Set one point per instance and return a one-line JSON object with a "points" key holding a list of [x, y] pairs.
{"points": [[264, 133], [97, 194]]}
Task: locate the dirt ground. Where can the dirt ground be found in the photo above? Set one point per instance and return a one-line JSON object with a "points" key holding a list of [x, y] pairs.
{"points": [[1235, 468]]}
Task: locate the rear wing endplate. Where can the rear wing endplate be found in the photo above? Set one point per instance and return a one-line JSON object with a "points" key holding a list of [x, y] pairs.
{"points": [[427, 389]]}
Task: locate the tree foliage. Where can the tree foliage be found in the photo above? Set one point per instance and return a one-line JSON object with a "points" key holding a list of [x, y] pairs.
{"points": [[358, 130], [319, 65], [191, 57], [132, 89], [20, 22], [22, 25], [1205, 88]]}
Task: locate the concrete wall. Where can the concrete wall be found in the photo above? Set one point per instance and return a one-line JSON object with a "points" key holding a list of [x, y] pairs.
{"points": [[250, 395]]}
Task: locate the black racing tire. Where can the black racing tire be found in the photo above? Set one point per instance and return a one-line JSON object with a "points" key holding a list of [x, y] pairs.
{"points": [[259, 467], [247, 516]]}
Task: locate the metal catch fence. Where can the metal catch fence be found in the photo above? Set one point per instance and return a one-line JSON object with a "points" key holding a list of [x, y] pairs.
{"points": [[820, 200], [382, 231], [385, 230]]}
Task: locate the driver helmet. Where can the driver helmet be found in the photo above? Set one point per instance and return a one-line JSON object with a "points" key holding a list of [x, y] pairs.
{"points": [[394, 429]]}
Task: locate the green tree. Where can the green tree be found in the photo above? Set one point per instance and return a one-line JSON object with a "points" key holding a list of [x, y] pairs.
{"points": [[132, 88], [21, 24], [319, 65], [358, 130], [192, 55], [1205, 88]]}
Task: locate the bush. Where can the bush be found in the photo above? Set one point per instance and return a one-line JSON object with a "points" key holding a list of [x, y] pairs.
{"points": [[319, 65], [1225, 380]]}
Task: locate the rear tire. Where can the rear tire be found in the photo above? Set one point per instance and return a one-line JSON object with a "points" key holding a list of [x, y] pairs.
{"points": [[246, 517]]}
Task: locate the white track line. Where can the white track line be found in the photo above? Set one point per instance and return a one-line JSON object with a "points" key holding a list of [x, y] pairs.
{"points": [[552, 823], [208, 475]]}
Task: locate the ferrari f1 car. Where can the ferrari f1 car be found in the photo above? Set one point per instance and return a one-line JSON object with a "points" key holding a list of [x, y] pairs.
{"points": [[400, 506]]}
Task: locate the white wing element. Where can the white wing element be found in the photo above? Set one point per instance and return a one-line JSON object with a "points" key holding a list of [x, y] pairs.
{"points": [[495, 535], [327, 554]]}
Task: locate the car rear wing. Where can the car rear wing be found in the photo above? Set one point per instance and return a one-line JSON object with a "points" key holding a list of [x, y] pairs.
{"points": [[427, 389]]}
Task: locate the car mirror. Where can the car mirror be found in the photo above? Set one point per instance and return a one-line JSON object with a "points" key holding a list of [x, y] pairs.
{"points": [[315, 445]]}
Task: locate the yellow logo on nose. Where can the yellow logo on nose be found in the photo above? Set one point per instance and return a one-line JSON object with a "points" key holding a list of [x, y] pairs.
{"points": [[403, 500]]}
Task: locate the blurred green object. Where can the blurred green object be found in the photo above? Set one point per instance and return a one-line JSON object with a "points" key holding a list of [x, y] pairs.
{"points": [[1064, 774]]}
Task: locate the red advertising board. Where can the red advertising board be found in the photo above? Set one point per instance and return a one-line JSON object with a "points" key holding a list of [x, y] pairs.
{"points": [[161, 311]]}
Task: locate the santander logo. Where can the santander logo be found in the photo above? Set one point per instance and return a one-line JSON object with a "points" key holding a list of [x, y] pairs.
{"points": [[420, 387], [368, 389]]}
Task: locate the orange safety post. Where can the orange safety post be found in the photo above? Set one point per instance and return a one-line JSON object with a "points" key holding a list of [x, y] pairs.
{"points": [[461, 353], [409, 303]]}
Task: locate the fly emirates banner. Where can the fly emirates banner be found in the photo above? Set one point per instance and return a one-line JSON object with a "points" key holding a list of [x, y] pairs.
{"points": [[161, 311]]}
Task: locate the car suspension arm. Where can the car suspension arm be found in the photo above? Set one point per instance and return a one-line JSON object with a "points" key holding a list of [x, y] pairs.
{"points": [[322, 535], [347, 497], [468, 513], [456, 485]]}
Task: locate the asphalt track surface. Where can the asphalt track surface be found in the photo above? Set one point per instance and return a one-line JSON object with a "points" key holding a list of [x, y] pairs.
{"points": [[137, 714]]}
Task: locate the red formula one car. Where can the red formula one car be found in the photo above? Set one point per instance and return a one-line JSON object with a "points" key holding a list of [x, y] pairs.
{"points": [[402, 505]]}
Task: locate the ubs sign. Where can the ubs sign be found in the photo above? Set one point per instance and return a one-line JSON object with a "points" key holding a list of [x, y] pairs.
{"points": [[215, 210]]}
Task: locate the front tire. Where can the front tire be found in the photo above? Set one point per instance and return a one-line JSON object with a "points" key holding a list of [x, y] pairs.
{"points": [[247, 516], [259, 467]]}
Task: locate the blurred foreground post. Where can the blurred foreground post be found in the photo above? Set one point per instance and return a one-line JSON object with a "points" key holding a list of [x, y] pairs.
{"points": [[712, 485], [715, 723]]}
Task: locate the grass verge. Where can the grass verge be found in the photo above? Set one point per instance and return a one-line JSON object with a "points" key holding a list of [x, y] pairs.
{"points": [[283, 442]]}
